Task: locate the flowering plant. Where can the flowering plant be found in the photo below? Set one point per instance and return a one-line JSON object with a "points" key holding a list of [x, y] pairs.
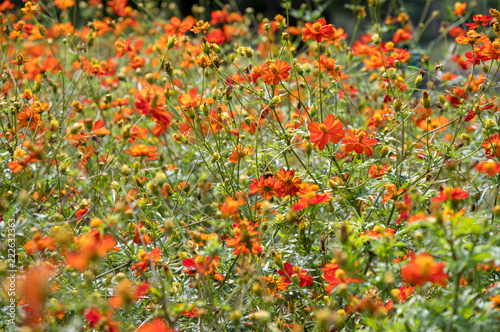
{"points": [[222, 171]]}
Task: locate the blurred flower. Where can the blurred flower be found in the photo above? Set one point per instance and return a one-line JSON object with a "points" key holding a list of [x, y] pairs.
{"points": [[291, 271], [422, 269]]}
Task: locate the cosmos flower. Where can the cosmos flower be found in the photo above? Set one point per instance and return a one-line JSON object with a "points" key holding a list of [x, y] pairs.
{"points": [[330, 130]]}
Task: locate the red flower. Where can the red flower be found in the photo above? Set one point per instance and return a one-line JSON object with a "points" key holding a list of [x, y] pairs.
{"points": [[203, 265], [451, 194], [401, 35], [336, 276], [98, 321], [319, 31], [479, 20], [273, 73], [455, 97], [267, 187], [290, 270], [492, 142], [330, 130], [359, 142], [422, 269]]}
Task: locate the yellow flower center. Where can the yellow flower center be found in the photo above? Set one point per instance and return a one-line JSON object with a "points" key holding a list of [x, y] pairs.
{"points": [[361, 136], [274, 69], [340, 274]]}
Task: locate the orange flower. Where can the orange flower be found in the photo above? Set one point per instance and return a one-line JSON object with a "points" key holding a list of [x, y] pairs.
{"points": [[459, 8], [319, 31], [379, 231], [239, 152], [231, 206], [273, 73], [422, 269], [402, 293], [190, 99], [309, 197], [28, 118], [90, 245], [39, 243], [32, 286], [22, 160], [6, 5], [145, 259], [472, 38], [451, 194], [489, 167], [178, 27], [392, 192], [127, 292], [244, 239], [377, 171], [29, 8], [289, 184], [433, 123], [359, 142], [157, 325], [330, 130], [141, 150], [200, 27], [274, 284], [64, 4], [266, 186], [329, 65]]}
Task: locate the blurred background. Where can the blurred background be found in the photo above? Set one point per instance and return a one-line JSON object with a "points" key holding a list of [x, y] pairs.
{"points": [[338, 12]]}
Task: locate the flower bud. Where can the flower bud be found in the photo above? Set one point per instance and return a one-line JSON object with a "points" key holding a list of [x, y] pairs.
{"points": [[397, 104], [171, 42], [235, 317], [426, 100], [418, 80], [260, 316], [278, 260], [276, 100]]}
